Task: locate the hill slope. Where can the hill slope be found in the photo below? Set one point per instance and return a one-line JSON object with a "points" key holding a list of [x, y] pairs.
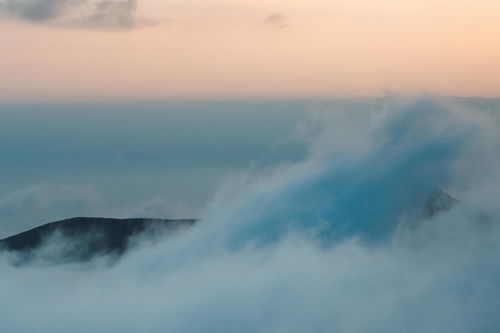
{"points": [[83, 238]]}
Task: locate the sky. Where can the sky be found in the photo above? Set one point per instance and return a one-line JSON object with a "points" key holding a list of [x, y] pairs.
{"points": [[74, 50]]}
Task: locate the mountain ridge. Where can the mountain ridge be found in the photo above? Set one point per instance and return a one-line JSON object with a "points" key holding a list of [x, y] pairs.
{"points": [[81, 239]]}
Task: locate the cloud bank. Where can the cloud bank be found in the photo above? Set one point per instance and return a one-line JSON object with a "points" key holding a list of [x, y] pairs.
{"points": [[333, 243]]}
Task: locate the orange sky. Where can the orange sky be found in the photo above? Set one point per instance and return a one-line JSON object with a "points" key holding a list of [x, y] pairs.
{"points": [[243, 48]]}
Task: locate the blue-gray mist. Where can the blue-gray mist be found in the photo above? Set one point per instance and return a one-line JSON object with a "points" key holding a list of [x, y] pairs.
{"points": [[328, 237]]}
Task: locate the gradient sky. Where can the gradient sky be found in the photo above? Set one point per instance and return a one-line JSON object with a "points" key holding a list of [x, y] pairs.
{"points": [[151, 49]]}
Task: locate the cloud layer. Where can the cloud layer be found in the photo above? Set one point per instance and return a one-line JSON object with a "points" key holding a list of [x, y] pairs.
{"points": [[323, 245]]}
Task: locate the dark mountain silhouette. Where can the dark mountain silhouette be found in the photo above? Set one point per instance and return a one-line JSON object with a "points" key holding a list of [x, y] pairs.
{"points": [[81, 239]]}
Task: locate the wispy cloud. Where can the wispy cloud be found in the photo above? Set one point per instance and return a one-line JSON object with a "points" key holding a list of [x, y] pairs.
{"points": [[111, 14], [276, 20], [117, 14], [37, 10]]}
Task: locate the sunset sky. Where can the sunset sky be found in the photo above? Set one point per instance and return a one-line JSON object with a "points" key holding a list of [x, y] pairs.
{"points": [[152, 49]]}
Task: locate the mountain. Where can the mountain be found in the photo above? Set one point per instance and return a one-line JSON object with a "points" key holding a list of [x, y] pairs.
{"points": [[438, 201], [81, 239]]}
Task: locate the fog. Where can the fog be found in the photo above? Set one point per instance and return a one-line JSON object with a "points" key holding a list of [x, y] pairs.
{"points": [[333, 241]]}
